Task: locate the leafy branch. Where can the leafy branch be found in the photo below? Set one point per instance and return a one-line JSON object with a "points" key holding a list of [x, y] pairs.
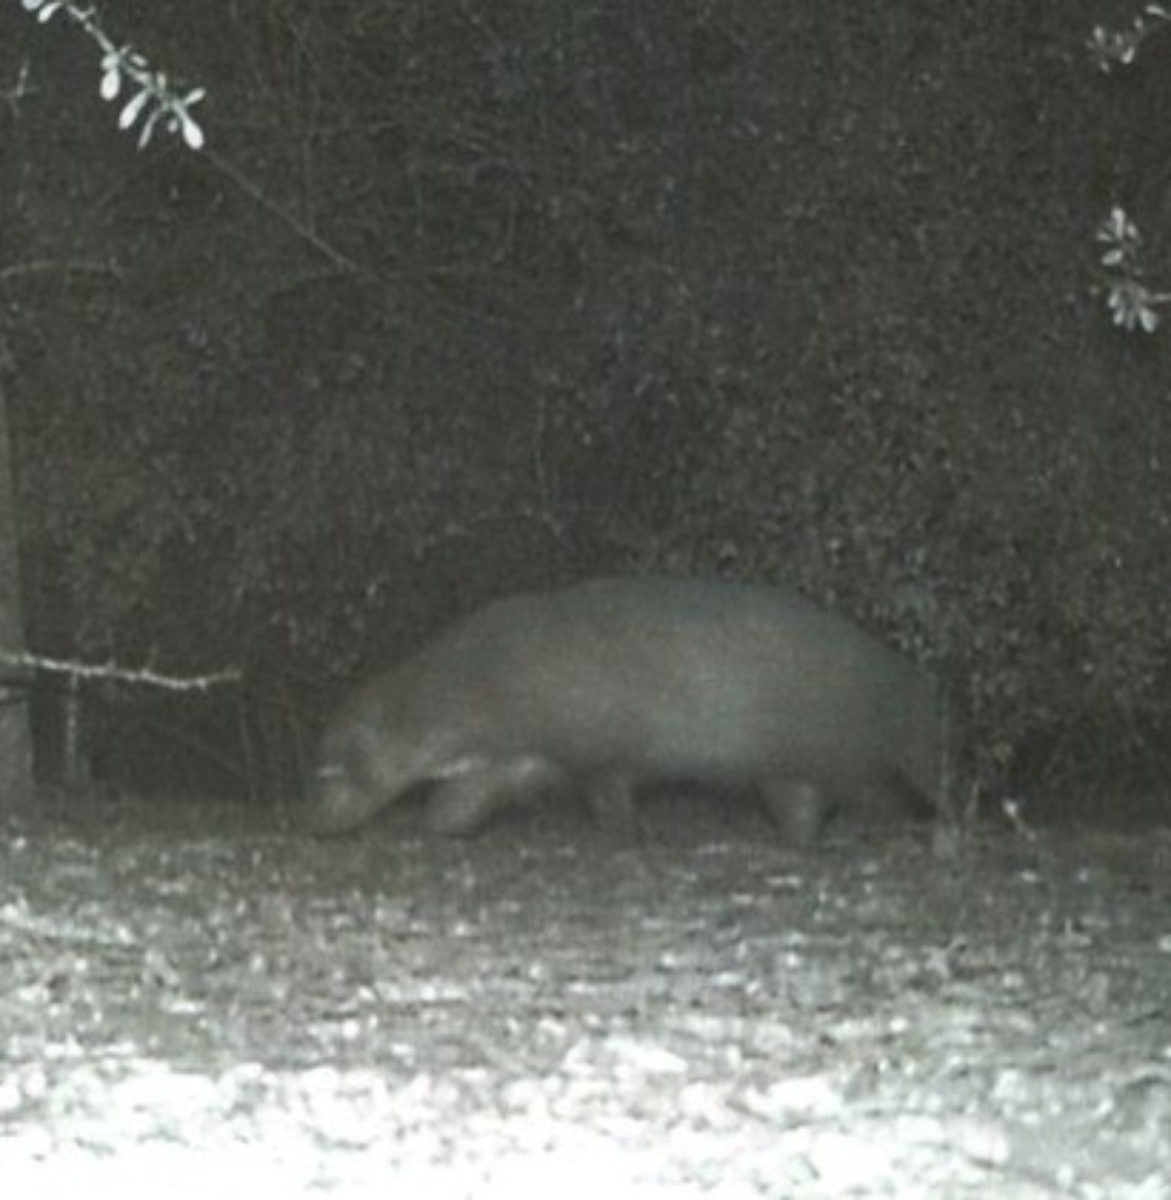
{"points": [[1132, 303], [1110, 48], [1128, 298], [154, 102]]}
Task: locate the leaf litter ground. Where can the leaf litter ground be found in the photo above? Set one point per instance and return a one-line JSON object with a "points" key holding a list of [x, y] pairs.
{"points": [[192, 998]]}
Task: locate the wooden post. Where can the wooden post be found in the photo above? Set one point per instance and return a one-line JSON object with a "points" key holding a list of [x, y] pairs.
{"points": [[16, 775]]}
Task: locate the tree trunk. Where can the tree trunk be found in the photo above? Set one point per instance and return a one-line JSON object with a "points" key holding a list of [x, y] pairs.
{"points": [[15, 737]]}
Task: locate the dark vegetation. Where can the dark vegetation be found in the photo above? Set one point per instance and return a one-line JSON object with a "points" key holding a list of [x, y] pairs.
{"points": [[468, 298]]}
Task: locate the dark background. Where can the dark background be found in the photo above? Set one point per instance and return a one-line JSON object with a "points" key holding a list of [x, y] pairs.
{"points": [[471, 297]]}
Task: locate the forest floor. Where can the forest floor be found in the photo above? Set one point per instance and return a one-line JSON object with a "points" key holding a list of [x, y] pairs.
{"points": [[194, 1002]]}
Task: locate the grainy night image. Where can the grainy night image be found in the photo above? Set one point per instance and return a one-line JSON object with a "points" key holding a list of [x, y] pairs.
{"points": [[585, 599]]}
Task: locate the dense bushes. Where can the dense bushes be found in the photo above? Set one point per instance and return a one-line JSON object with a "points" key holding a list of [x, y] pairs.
{"points": [[539, 290]]}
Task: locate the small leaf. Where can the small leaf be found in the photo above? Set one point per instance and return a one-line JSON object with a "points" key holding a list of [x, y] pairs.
{"points": [[111, 83], [148, 128], [133, 109], [192, 134]]}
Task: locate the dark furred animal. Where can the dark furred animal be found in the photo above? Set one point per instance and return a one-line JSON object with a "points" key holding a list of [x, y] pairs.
{"points": [[619, 684]]}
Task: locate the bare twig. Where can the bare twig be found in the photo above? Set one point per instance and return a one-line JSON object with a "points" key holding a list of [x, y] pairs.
{"points": [[48, 266], [298, 227], [20, 89], [143, 675]]}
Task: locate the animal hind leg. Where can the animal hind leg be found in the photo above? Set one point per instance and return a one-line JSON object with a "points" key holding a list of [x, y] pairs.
{"points": [[799, 808]]}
